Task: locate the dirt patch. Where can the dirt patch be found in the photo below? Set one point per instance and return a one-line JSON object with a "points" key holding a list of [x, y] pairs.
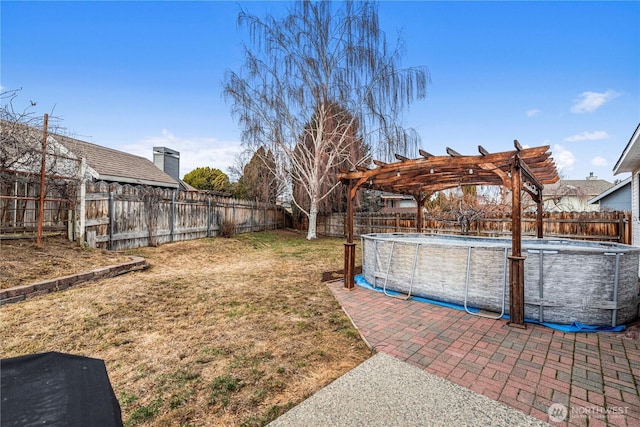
{"points": [[23, 263], [217, 332]]}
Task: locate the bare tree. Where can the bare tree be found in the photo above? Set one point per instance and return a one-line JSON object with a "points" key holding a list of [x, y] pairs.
{"points": [[467, 204], [565, 197], [318, 56], [21, 155], [258, 179], [21, 135], [240, 160], [20, 146], [348, 150]]}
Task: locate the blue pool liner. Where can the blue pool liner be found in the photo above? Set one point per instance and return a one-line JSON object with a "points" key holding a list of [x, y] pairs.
{"points": [[573, 327]]}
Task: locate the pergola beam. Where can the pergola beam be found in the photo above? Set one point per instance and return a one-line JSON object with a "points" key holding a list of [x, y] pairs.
{"points": [[530, 176], [502, 160], [425, 154], [453, 153]]}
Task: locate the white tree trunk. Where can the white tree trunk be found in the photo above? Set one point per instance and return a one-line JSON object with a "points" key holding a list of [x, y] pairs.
{"points": [[313, 217]]}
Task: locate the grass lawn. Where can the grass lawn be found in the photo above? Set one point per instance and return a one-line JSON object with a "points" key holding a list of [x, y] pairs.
{"points": [[217, 332]]}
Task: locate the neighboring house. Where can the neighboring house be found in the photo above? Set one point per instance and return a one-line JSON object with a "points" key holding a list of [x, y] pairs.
{"points": [[616, 198], [107, 164], [629, 161], [21, 154], [397, 203], [65, 155], [573, 195]]}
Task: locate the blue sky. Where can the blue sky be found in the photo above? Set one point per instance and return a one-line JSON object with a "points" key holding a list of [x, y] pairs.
{"points": [[133, 75]]}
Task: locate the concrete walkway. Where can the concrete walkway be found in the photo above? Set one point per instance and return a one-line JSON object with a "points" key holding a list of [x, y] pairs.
{"points": [[386, 392], [585, 378]]}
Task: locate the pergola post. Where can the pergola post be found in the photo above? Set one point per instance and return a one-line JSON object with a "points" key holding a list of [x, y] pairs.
{"points": [[539, 224], [516, 260], [349, 246], [419, 216]]}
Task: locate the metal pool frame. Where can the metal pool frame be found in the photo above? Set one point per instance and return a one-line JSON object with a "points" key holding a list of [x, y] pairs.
{"points": [[566, 281]]}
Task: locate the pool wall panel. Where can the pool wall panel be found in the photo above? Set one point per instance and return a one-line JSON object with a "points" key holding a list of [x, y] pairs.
{"points": [[577, 283]]}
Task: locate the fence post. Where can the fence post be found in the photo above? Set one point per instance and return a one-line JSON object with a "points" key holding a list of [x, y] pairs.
{"points": [[225, 212], [81, 212], [251, 220], [111, 215], [43, 166], [620, 227], [69, 224], [217, 212], [208, 216], [172, 214]]}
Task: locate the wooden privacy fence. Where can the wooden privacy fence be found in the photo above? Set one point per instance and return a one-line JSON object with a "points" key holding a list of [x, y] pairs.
{"points": [[600, 226], [20, 205], [122, 216]]}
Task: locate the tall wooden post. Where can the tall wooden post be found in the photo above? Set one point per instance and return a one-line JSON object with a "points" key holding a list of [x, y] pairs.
{"points": [[516, 260], [350, 246], [81, 204], [112, 219], [419, 215], [539, 223], [43, 169]]}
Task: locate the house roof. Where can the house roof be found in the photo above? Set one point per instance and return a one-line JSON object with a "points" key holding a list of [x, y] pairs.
{"points": [[577, 187], [629, 160], [102, 163], [387, 195], [615, 188], [117, 166]]}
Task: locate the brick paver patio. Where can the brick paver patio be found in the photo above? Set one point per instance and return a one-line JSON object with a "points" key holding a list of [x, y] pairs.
{"points": [[594, 375]]}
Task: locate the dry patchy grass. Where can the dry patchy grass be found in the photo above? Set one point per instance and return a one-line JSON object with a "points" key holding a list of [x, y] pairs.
{"points": [[22, 262], [217, 331]]}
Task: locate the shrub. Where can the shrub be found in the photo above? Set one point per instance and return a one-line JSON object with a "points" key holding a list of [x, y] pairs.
{"points": [[227, 229]]}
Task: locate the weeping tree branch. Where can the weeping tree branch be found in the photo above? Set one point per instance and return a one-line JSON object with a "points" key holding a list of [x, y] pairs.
{"points": [[315, 84]]}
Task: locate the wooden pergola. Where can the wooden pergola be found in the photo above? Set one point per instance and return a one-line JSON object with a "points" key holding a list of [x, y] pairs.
{"points": [[522, 169]]}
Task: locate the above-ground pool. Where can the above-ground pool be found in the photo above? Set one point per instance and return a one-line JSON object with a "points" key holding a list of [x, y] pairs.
{"points": [[566, 281]]}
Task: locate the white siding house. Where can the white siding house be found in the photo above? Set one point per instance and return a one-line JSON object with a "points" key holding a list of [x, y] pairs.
{"points": [[629, 161]]}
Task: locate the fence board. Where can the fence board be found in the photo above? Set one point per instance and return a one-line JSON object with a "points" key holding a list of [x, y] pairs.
{"points": [[601, 226], [143, 216]]}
